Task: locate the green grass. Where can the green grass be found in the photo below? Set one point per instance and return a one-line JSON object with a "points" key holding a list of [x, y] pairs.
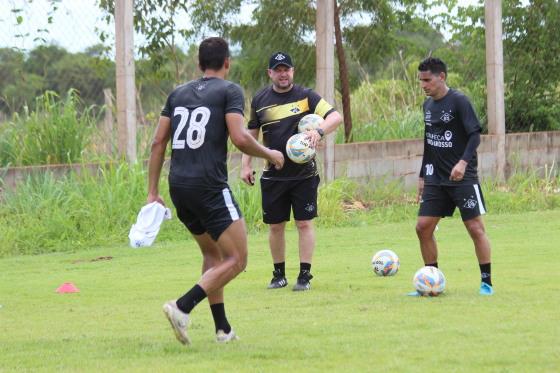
{"points": [[350, 321]]}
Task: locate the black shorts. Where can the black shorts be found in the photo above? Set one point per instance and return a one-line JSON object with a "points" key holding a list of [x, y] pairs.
{"points": [[279, 197], [441, 200], [205, 210]]}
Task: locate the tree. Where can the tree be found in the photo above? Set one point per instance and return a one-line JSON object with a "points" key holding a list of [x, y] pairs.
{"points": [[157, 21], [531, 64]]}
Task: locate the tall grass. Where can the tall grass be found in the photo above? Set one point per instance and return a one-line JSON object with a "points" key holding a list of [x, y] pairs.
{"points": [[57, 131], [387, 109], [83, 210]]}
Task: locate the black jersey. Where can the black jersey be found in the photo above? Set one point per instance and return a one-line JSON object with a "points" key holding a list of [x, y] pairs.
{"points": [[278, 115], [198, 131], [448, 124]]}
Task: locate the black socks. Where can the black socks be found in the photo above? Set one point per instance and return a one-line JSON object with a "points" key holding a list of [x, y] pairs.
{"points": [[219, 315], [188, 301], [485, 273], [281, 268], [432, 265], [304, 267]]}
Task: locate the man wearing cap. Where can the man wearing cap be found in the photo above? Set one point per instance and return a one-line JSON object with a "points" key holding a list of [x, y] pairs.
{"points": [[277, 109]]}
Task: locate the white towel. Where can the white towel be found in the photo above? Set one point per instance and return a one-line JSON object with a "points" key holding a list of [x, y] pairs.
{"points": [[148, 222]]}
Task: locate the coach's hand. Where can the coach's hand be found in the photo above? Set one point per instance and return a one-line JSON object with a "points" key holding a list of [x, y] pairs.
{"points": [[248, 175], [458, 172], [420, 189], [276, 158], [314, 138]]}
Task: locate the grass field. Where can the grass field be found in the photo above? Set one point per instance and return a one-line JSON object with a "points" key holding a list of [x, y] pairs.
{"points": [[350, 321]]}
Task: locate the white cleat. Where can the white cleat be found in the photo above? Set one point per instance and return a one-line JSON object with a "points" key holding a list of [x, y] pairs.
{"points": [[222, 337], [179, 321]]}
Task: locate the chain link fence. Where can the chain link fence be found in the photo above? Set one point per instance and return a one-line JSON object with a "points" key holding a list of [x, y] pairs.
{"points": [[64, 45]]}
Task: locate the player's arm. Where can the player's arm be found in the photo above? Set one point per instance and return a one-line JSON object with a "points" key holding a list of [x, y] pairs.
{"points": [[247, 173], [245, 142], [420, 188], [157, 155], [472, 128]]}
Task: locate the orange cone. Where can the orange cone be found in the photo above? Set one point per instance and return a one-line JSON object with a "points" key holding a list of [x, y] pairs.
{"points": [[67, 287]]}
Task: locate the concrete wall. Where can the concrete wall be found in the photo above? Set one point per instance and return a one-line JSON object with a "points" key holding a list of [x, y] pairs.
{"points": [[396, 159]]}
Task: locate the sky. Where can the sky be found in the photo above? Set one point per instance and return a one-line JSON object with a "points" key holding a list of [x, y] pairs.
{"points": [[73, 27]]}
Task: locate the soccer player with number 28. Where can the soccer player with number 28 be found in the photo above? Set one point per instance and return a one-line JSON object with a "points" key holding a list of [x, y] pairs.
{"points": [[197, 117], [448, 177]]}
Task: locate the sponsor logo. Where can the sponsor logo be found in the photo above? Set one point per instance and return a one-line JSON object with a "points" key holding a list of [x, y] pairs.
{"points": [[446, 117], [440, 141]]}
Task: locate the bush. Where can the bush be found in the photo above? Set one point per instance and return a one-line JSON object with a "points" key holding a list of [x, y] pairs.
{"points": [[56, 132]]}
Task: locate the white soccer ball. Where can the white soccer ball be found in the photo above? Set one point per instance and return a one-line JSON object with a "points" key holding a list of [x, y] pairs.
{"points": [[309, 122], [385, 263], [429, 281], [298, 149]]}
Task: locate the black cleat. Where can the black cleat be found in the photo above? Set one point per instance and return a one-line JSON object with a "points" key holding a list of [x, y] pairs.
{"points": [[303, 281], [278, 280]]}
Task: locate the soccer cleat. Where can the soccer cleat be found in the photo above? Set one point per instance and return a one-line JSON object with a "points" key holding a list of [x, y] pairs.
{"points": [[303, 283], [278, 280], [223, 337], [179, 321], [486, 289]]}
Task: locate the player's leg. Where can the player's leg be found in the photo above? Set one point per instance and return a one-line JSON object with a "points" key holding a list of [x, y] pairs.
{"points": [[211, 258], [425, 227], [185, 201], [277, 243], [276, 212], [233, 248], [303, 196], [472, 207]]}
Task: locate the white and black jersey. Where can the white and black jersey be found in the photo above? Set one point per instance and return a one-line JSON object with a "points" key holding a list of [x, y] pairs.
{"points": [[198, 131], [448, 123]]}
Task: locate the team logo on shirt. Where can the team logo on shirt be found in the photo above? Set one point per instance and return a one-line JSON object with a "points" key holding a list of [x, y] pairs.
{"points": [[295, 110], [446, 117], [201, 86]]}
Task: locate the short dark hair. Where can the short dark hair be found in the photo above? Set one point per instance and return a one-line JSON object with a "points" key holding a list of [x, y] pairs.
{"points": [[433, 65], [212, 53]]}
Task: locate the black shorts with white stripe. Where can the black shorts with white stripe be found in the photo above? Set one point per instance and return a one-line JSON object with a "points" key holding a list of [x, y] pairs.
{"points": [[205, 210], [441, 200]]}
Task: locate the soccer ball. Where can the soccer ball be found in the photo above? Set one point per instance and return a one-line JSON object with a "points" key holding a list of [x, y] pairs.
{"points": [[385, 263], [429, 281], [298, 149], [309, 122]]}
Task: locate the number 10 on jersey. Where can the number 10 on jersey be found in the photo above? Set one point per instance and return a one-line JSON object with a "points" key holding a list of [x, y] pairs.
{"points": [[196, 130]]}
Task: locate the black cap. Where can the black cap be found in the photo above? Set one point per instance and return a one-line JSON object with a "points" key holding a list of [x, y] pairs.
{"points": [[280, 58]]}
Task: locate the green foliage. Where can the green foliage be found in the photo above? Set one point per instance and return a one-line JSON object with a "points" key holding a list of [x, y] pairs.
{"points": [[51, 68], [90, 208], [531, 66], [57, 131]]}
